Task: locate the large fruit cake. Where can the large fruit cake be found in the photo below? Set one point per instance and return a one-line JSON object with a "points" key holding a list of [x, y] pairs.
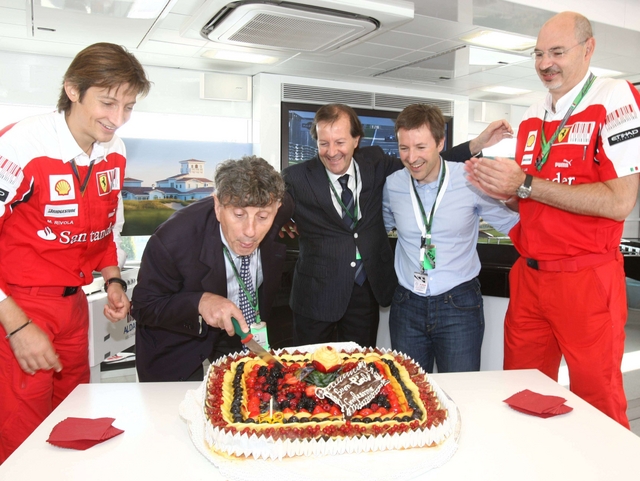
{"points": [[326, 402]]}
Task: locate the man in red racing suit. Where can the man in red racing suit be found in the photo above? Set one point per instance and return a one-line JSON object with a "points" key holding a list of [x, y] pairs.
{"points": [[576, 181], [60, 218]]}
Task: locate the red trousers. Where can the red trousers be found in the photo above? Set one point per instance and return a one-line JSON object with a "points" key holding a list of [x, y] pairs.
{"points": [[580, 315], [25, 400]]}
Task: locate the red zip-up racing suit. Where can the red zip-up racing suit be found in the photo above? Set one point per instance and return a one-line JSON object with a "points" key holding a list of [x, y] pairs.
{"points": [[52, 238], [568, 293]]}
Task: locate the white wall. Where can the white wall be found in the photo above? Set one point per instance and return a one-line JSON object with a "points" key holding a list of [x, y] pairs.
{"points": [[35, 80]]}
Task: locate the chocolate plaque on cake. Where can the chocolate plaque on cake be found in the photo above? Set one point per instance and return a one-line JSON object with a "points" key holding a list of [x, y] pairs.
{"points": [[354, 389]]}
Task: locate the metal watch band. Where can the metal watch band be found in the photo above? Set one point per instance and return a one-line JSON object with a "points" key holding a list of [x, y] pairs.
{"points": [[524, 191]]}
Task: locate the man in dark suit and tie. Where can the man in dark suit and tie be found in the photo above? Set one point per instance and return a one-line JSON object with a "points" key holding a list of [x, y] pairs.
{"points": [[199, 270], [345, 267]]}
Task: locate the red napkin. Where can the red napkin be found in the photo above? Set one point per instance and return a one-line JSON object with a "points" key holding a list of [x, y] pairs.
{"points": [[82, 433], [541, 405]]}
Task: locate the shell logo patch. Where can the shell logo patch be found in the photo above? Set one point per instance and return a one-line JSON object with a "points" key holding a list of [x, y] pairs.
{"points": [[61, 187], [531, 140]]}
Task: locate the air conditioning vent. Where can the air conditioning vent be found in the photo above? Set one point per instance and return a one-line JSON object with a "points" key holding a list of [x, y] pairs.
{"points": [[286, 26], [307, 27], [399, 102], [356, 98], [323, 95]]}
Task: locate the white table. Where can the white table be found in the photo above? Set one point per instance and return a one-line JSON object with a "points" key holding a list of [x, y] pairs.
{"points": [[496, 442]]}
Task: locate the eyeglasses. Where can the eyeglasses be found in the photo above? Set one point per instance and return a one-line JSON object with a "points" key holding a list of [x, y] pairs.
{"points": [[553, 53]]}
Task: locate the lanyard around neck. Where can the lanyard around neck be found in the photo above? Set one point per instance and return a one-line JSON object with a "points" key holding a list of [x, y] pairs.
{"points": [[424, 222], [83, 183], [546, 145], [354, 216], [253, 302]]}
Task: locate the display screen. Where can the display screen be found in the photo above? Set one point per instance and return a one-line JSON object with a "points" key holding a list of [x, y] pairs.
{"points": [[298, 145]]}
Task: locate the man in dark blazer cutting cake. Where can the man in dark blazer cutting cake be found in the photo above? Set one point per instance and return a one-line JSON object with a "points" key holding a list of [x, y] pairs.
{"points": [[190, 282], [345, 267]]}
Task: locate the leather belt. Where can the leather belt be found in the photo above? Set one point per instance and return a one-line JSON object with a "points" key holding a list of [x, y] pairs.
{"points": [[573, 264], [47, 290]]}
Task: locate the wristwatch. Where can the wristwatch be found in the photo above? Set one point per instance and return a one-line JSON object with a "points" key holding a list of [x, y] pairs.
{"points": [[524, 190], [117, 280]]}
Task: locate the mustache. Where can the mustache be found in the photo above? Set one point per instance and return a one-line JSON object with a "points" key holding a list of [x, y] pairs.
{"points": [[550, 70]]}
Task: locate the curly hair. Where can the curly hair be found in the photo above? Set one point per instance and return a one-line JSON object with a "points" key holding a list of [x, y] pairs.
{"points": [[248, 182]]}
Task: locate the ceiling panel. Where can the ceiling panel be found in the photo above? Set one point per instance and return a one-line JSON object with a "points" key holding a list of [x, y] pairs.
{"points": [[172, 36], [405, 40], [433, 30], [435, 27], [13, 16], [378, 50]]}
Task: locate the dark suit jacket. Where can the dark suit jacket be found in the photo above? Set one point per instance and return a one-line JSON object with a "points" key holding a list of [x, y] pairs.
{"points": [[323, 276], [184, 259]]}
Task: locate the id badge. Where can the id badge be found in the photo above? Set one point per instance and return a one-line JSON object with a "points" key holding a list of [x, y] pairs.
{"points": [[259, 331], [420, 282], [428, 257]]}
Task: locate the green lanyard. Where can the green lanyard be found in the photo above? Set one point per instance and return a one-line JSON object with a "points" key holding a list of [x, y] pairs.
{"points": [[253, 302], [546, 146], [429, 260], [354, 216]]}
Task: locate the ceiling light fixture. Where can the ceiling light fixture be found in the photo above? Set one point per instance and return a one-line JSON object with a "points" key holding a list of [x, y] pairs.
{"points": [[500, 40], [138, 9], [487, 57], [604, 72], [245, 57], [499, 89], [149, 9]]}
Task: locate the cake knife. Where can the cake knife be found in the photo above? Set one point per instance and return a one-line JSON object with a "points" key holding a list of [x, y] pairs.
{"points": [[247, 339]]}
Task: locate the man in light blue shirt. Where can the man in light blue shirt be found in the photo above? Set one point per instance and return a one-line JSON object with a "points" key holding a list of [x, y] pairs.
{"points": [[437, 310]]}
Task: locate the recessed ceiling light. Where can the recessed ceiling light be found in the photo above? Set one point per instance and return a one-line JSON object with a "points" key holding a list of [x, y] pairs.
{"points": [[245, 57], [505, 90], [149, 9], [484, 56], [138, 9], [500, 40]]}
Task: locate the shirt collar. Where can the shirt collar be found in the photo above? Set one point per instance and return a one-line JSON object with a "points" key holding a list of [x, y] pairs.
{"points": [[334, 177], [564, 102], [69, 147]]}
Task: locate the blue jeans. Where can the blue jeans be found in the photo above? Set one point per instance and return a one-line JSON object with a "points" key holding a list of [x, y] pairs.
{"points": [[448, 328]]}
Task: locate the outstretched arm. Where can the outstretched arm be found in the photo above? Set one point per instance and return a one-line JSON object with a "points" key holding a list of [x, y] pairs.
{"points": [[494, 133]]}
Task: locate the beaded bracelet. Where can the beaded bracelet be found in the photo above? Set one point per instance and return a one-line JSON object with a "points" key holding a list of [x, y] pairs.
{"points": [[21, 327]]}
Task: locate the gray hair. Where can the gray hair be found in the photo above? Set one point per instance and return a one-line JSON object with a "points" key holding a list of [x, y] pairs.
{"points": [[248, 182], [583, 31]]}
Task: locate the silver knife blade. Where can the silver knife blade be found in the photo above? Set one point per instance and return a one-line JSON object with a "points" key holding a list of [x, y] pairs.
{"points": [[265, 355]]}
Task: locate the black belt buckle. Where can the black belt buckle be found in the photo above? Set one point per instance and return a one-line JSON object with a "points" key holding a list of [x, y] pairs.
{"points": [[69, 291], [532, 263]]}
